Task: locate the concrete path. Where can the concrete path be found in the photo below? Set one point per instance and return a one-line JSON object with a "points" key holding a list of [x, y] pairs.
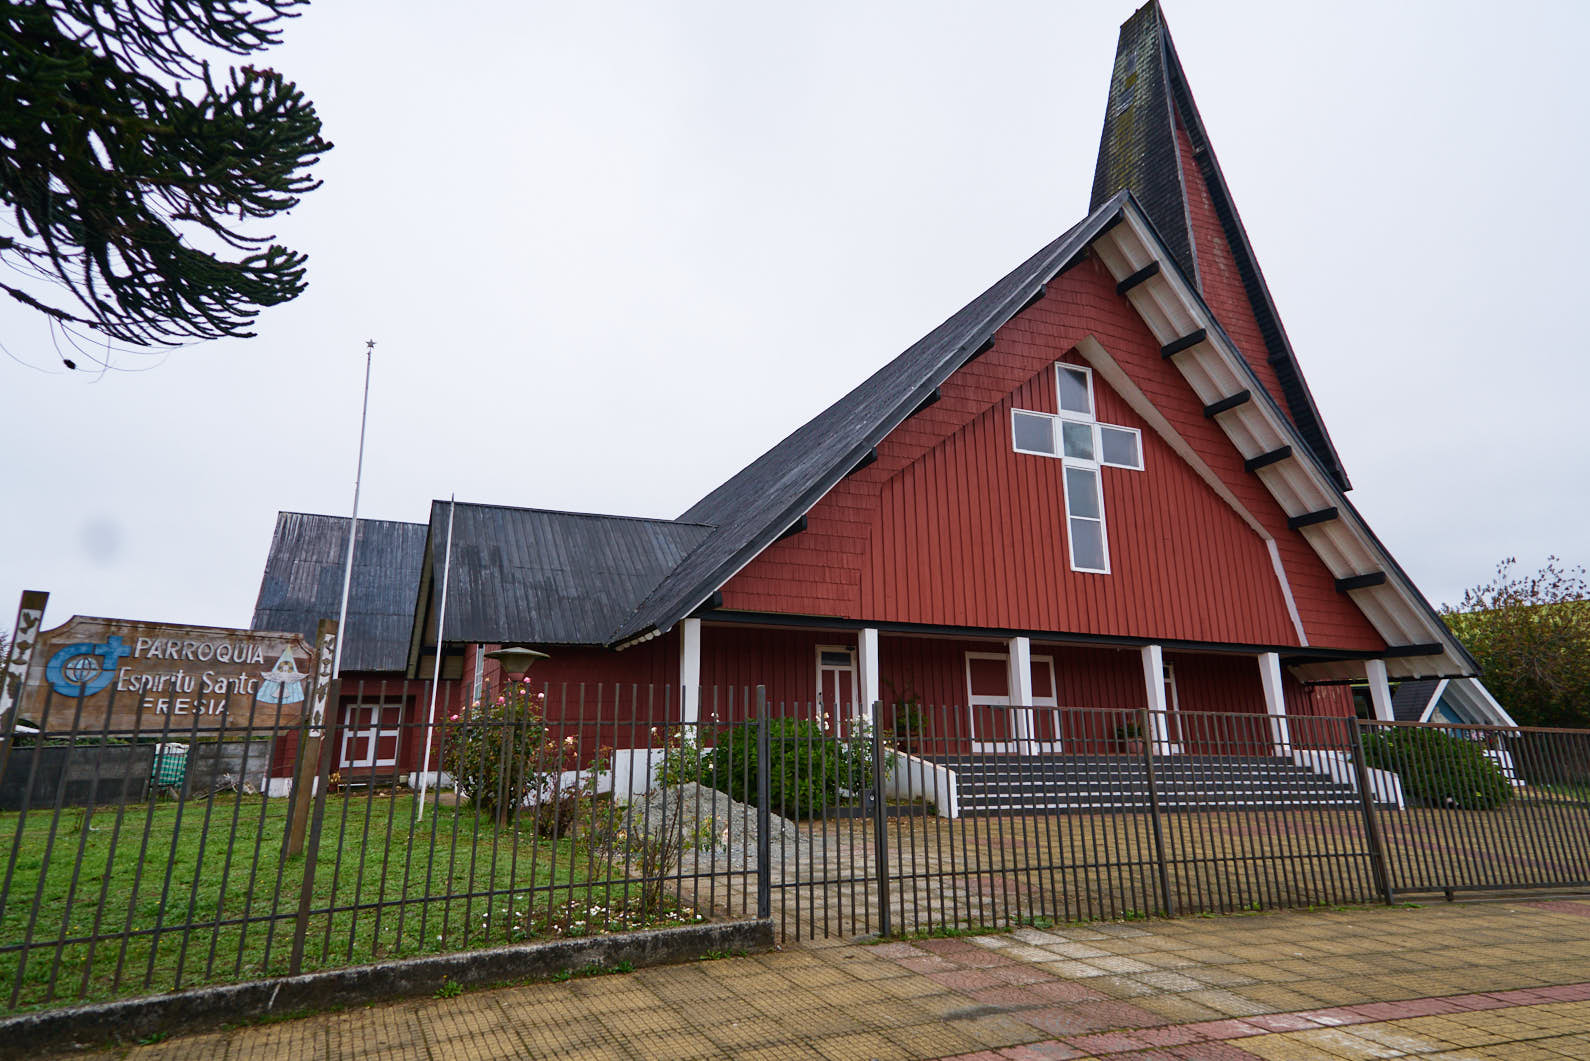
{"points": [[1451, 982]]}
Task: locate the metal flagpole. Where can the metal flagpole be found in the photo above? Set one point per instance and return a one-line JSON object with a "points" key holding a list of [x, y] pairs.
{"points": [[353, 527], [436, 670]]}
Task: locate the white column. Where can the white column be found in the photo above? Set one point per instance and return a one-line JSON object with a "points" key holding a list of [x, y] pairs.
{"points": [[1020, 649], [1275, 701], [1154, 686], [1379, 689], [869, 686], [689, 671]]}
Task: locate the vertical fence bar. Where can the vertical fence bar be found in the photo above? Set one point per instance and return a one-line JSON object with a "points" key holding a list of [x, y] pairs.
{"points": [[880, 820], [1167, 902], [1366, 798], [764, 815]]}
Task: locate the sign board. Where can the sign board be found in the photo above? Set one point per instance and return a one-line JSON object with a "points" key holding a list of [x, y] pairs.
{"points": [[160, 678]]}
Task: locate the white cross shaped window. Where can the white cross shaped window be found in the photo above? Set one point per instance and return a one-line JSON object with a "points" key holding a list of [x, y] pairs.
{"points": [[1083, 445]]}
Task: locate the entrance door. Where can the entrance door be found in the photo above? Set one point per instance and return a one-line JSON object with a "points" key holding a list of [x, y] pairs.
{"points": [[370, 735], [836, 689]]}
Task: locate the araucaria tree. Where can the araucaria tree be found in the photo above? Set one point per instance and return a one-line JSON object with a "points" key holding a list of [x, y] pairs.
{"points": [[1531, 633], [134, 172]]}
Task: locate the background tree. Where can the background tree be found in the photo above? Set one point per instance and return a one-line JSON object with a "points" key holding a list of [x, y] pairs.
{"points": [[132, 173], [1531, 633]]}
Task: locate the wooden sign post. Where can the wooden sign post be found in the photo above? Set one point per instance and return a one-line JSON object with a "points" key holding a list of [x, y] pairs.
{"points": [[309, 772], [24, 636]]}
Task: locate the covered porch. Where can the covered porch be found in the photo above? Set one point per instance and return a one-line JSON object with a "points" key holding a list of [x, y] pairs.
{"points": [[953, 694]]}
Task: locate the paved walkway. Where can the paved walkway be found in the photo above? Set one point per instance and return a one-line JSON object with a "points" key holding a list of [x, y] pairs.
{"points": [[1450, 982]]}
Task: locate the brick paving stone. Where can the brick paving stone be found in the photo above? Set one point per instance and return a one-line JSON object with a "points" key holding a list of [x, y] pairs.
{"points": [[1049, 1050], [1106, 1043], [1506, 981]]}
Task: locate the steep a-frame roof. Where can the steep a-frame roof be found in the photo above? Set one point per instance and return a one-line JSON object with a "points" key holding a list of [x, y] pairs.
{"points": [[1138, 152], [751, 510]]}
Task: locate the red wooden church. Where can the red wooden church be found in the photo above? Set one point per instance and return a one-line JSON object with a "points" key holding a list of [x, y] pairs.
{"points": [[1103, 483]]}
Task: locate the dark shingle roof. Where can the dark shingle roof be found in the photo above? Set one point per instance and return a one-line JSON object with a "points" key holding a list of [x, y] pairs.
{"points": [[545, 577], [1411, 698], [303, 584], [1138, 152], [759, 503]]}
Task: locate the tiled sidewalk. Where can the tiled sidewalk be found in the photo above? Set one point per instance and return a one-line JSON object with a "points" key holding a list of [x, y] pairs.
{"points": [[1450, 982]]}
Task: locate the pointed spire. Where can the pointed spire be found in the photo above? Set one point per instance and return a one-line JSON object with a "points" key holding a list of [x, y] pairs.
{"points": [[1154, 145], [1138, 148]]}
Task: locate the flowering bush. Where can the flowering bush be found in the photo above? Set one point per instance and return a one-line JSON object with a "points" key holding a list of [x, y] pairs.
{"points": [[500, 755]]}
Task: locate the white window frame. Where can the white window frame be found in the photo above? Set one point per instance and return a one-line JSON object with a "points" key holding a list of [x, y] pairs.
{"points": [[371, 736], [1099, 448], [827, 711], [1092, 411], [1104, 533], [1057, 422], [973, 701], [1054, 440]]}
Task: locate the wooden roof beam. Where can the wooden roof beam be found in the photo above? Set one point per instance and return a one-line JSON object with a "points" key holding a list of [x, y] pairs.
{"points": [[1147, 272], [1352, 582], [1308, 519], [1400, 651], [871, 457], [1186, 342], [1214, 409], [1264, 460], [793, 529]]}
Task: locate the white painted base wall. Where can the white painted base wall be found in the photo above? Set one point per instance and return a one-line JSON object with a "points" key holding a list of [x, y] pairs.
{"points": [[1385, 786], [914, 778]]}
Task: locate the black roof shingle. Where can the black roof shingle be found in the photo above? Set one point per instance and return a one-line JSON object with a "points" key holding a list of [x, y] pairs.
{"points": [[303, 584], [547, 577]]}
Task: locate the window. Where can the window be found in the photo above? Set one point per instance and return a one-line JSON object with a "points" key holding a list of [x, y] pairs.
{"points": [[1120, 447], [1075, 389], [1085, 521], [1078, 439], [1034, 432], [1083, 445]]}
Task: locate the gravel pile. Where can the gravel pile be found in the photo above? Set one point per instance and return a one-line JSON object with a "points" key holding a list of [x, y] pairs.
{"points": [[715, 828]]}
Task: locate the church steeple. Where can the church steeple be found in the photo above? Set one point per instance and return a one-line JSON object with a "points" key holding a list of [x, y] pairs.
{"points": [[1154, 144]]}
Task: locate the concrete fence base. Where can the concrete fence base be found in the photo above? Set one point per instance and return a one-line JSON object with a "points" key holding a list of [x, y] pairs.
{"points": [[129, 1020]]}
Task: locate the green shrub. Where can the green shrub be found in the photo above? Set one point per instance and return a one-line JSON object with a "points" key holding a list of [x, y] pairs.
{"points": [[498, 753], [808, 770], [1439, 769]]}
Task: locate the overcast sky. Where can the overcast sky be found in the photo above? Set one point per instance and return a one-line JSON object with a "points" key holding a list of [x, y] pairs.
{"points": [[610, 253]]}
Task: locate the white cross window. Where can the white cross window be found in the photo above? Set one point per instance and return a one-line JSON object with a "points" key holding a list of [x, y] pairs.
{"points": [[1083, 445]]}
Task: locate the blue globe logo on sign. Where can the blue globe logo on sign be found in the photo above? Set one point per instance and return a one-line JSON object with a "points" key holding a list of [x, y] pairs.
{"points": [[85, 668]]}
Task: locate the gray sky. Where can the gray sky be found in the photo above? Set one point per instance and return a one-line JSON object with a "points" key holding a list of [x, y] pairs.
{"points": [[611, 253]]}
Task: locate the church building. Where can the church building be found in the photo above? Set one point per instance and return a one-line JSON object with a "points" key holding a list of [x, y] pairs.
{"points": [[1102, 483]]}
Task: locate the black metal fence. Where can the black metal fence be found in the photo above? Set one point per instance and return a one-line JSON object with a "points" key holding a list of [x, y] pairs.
{"points": [[166, 855]]}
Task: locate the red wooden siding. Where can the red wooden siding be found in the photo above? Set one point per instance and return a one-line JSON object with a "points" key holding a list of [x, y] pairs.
{"points": [[1218, 276], [947, 489], [973, 534]]}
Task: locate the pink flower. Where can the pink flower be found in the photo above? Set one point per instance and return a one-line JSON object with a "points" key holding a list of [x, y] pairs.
{"points": [[502, 699], [453, 717]]}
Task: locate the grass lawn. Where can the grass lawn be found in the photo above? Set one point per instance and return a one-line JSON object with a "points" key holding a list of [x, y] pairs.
{"points": [[383, 886]]}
